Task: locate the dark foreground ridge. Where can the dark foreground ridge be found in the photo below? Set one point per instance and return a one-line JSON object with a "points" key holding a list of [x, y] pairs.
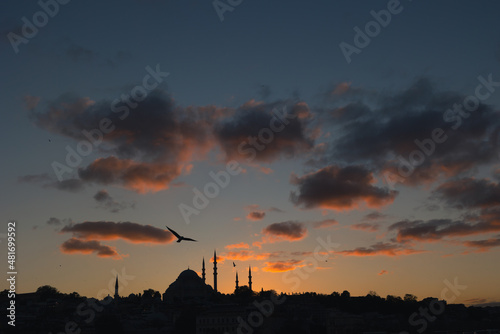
{"points": [[203, 311]]}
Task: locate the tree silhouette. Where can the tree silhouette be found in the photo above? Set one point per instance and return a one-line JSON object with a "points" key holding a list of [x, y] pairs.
{"points": [[345, 294], [46, 291], [409, 298]]}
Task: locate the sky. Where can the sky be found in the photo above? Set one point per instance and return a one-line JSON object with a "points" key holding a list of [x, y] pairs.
{"points": [[329, 146]]}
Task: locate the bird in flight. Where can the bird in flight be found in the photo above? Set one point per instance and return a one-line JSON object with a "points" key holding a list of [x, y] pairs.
{"points": [[179, 237]]}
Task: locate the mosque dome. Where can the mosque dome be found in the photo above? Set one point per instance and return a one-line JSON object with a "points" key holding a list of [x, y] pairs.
{"points": [[188, 287], [188, 274]]}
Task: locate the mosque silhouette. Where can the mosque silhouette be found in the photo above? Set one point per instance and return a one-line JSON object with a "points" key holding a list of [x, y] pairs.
{"points": [[189, 287]]}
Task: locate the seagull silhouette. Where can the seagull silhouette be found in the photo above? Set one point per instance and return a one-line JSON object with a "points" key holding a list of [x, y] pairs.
{"points": [[179, 237]]}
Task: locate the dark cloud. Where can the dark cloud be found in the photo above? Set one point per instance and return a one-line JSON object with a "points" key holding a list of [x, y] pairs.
{"points": [[71, 185], [102, 196], [496, 173], [107, 202], [54, 221], [256, 215], [274, 209], [437, 229], [153, 130], [469, 193], [370, 227], [480, 198], [252, 132], [46, 181], [75, 245], [106, 230], [349, 112], [380, 248], [325, 223], [339, 188], [483, 245], [377, 133], [151, 143], [289, 230]]}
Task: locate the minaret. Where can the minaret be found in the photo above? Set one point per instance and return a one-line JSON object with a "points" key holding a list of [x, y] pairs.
{"points": [[237, 281], [116, 288], [215, 271], [250, 278], [203, 270]]}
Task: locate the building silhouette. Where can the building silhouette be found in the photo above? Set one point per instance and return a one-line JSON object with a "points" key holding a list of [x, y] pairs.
{"points": [[250, 278], [215, 271], [189, 287], [203, 271], [116, 288]]}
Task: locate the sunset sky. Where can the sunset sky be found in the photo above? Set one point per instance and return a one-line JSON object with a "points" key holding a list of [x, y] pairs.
{"points": [[263, 129]]}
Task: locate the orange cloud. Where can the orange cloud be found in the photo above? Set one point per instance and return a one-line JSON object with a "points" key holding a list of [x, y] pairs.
{"points": [[265, 170], [256, 215], [240, 245], [258, 244], [282, 266], [220, 259], [75, 245], [141, 177], [132, 232], [245, 255]]}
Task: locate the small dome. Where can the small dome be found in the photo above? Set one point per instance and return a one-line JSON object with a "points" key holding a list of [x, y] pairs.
{"points": [[188, 274]]}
